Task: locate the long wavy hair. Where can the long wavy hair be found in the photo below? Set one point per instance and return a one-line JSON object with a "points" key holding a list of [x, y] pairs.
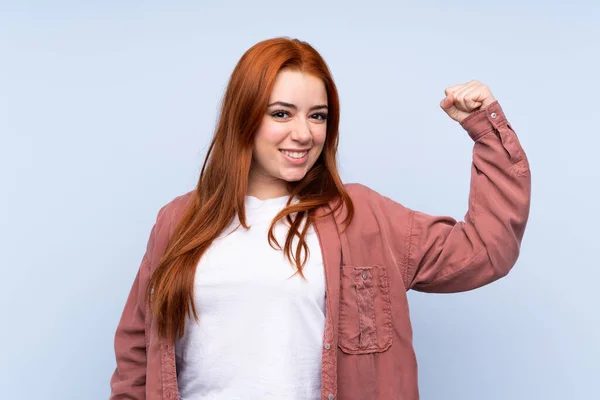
{"points": [[222, 186]]}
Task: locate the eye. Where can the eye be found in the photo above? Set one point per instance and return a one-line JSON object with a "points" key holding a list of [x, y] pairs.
{"points": [[320, 116], [280, 114]]}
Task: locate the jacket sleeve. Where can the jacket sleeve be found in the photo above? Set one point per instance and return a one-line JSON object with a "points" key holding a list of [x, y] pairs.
{"points": [[442, 255], [129, 378]]}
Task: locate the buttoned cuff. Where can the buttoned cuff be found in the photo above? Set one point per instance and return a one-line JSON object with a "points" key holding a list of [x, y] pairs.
{"points": [[484, 121]]}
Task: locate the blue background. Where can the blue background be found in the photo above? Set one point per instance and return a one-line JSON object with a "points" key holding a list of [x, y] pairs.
{"points": [[107, 109]]}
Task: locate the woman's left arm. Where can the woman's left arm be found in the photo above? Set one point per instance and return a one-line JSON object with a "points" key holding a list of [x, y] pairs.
{"points": [[444, 255]]}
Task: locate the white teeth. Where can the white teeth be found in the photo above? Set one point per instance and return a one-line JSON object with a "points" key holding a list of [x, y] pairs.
{"points": [[294, 154]]}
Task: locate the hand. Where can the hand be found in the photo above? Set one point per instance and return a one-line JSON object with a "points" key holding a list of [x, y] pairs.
{"points": [[463, 100]]}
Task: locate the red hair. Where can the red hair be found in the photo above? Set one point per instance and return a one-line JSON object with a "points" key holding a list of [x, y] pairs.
{"points": [[222, 186]]}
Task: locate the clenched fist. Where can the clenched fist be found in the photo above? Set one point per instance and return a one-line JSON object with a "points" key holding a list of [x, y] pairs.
{"points": [[462, 100]]}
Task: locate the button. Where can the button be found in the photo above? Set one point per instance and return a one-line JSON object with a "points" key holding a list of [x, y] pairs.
{"points": [[494, 115], [364, 275], [331, 396], [327, 346]]}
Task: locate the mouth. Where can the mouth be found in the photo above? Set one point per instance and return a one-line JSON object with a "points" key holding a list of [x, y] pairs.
{"points": [[295, 157]]}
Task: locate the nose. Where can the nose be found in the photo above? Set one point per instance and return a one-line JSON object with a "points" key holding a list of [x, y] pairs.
{"points": [[301, 131]]}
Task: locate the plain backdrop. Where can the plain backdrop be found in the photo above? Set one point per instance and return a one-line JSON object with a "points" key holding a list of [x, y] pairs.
{"points": [[107, 109]]}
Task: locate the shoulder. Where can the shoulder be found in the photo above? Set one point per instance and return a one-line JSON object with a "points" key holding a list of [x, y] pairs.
{"points": [[174, 208], [164, 225], [365, 194], [358, 191], [365, 198]]}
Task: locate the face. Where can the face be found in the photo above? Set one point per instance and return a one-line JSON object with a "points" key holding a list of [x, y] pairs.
{"points": [[291, 135]]}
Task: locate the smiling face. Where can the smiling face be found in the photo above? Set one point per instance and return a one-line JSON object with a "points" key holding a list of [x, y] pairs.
{"points": [[291, 135]]}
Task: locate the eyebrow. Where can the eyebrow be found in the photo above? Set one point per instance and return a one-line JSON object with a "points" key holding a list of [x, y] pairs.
{"points": [[290, 105]]}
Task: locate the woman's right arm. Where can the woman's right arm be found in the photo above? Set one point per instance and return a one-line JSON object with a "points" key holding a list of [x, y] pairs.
{"points": [[129, 378]]}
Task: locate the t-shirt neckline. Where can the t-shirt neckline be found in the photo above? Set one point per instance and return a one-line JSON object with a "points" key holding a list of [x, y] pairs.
{"points": [[254, 202]]}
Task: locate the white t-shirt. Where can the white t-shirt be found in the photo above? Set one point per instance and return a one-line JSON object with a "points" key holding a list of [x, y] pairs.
{"points": [[260, 331]]}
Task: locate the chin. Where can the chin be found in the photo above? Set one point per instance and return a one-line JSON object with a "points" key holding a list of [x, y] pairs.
{"points": [[292, 177]]}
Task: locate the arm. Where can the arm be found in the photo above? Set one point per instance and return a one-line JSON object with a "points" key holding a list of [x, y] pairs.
{"points": [[444, 255], [129, 378]]}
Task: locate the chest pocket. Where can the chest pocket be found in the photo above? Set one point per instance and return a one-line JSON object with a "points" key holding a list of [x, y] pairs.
{"points": [[365, 319]]}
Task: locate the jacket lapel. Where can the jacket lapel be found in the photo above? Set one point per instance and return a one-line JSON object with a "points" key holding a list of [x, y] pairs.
{"points": [[327, 232]]}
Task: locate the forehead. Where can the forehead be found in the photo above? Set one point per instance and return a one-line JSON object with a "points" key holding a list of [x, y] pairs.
{"points": [[299, 88]]}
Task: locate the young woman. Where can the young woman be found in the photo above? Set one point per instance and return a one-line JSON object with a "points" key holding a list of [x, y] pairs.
{"points": [[220, 310]]}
